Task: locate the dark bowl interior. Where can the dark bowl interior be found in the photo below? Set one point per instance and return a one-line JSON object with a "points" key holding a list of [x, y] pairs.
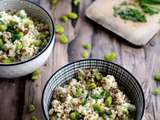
{"points": [[125, 80]]}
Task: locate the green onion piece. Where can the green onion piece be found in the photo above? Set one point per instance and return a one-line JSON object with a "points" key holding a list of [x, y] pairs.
{"points": [[110, 57], [125, 110], [37, 43], [72, 15], [54, 2], [64, 18], [85, 54], [108, 101], [44, 43], [19, 46], [156, 91], [75, 115], [87, 46], [59, 29], [41, 36], [83, 101], [3, 27], [63, 39], [34, 118], [31, 108], [91, 86], [76, 2], [7, 61], [81, 75], [1, 44], [36, 74], [98, 108], [157, 76], [79, 91]]}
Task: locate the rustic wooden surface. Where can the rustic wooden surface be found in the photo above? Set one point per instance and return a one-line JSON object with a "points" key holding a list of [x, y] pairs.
{"points": [[16, 94]]}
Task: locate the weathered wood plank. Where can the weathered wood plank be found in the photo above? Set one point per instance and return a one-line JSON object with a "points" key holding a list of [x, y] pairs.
{"points": [[59, 57], [83, 31], [11, 102]]}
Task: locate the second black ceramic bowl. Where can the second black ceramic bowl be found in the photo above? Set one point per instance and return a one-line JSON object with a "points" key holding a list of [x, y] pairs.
{"points": [[127, 81]]}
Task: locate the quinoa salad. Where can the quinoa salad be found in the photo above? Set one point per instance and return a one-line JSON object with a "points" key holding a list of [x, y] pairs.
{"points": [[21, 37], [90, 96]]}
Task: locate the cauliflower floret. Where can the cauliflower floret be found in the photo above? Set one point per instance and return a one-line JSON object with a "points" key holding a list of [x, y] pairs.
{"points": [[22, 13], [57, 106], [109, 82], [76, 101], [12, 52], [27, 52], [91, 116], [60, 93]]}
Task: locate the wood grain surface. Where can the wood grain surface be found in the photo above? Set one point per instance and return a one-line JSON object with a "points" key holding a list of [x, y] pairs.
{"points": [[16, 94]]}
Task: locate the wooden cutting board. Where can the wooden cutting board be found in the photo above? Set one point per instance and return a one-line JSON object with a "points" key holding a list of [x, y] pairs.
{"points": [[101, 11]]}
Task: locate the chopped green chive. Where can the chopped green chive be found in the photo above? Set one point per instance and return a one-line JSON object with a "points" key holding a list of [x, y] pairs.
{"points": [[59, 29], [63, 39], [110, 57]]}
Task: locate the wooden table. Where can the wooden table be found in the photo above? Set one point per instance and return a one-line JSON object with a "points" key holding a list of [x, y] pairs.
{"points": [[142, 62]]}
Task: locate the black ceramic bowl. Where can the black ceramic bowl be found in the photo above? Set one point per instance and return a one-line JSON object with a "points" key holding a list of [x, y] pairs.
{"points": [[126, 80]]}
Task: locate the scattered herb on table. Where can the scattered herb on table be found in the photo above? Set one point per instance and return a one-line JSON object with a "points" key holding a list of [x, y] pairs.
{"points": [[72, 15], [157, 76], [63, 39], [59, 29], [156, 91], [151, 1], [110, 57], [137, 12], [85, 54], [87, 46], [36, 74], [130, 13], [31, 108], [149, 9]]}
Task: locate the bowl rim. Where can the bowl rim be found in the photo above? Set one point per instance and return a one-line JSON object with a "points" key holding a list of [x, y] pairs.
{"points": [[100, 60], [52, 38]]}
